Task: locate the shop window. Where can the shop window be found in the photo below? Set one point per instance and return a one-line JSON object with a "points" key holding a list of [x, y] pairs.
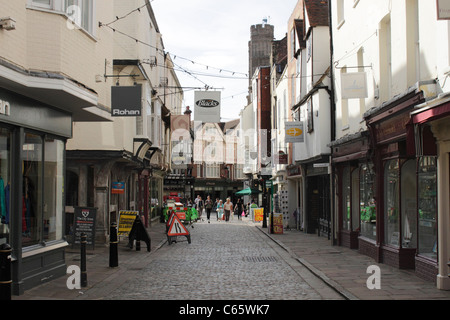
{"points": [[391, 207], [409, 204], [5, 192], [43, 198], [367, 201], [346, 199], [427, 205]]}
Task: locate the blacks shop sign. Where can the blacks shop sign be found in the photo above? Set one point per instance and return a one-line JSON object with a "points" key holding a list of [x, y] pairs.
{"points": [[84, 222]]}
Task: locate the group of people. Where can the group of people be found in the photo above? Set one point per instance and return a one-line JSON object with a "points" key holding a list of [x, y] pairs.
{"points": [[224, 210]]}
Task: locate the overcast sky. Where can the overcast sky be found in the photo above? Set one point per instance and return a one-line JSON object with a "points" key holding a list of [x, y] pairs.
{"points": [[215, 33]]}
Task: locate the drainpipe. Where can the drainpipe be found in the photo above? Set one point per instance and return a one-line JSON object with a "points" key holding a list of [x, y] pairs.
{"points": [[333, 122]]}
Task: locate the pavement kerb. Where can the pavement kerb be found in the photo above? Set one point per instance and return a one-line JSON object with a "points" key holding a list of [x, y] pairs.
{"points": [[329, 282]]}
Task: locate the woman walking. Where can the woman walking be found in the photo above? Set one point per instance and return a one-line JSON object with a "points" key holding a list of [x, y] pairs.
{"points": [[208, 207], [228, 207], [238, 209], [219, 210]]}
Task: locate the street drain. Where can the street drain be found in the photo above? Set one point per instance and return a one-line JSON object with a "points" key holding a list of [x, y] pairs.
{"points": [[260, 259]]}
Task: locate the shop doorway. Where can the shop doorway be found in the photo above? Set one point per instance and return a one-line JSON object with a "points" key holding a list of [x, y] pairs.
{"points": [[318, 215]]}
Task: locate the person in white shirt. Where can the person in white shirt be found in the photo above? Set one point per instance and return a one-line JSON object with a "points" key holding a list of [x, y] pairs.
{"points": [[228, 207]]}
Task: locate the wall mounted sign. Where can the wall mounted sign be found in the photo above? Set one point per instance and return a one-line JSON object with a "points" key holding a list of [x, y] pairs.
{"points": [[118, 188], [294, 132]]}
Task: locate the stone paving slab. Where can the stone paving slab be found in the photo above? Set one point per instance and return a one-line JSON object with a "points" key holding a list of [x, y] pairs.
{"points": [[325, 271]]}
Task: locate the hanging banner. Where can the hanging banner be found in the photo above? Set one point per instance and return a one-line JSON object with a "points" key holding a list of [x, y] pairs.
{"points": [[126, 101], [207, 106], [294, 132], [354, 85]]}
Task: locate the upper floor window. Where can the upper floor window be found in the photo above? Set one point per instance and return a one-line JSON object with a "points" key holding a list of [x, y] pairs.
{"points": [[79, 11], [340, 12]]}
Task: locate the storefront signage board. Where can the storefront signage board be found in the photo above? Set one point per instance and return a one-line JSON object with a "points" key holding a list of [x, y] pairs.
{"points": [[84, 222]]}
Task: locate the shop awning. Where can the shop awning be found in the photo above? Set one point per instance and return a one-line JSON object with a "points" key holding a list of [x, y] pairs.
{"points": [[247, 191], [431, 114]]}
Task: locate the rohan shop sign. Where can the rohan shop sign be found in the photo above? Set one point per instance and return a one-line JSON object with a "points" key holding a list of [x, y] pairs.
{"points": [[126, 101]]}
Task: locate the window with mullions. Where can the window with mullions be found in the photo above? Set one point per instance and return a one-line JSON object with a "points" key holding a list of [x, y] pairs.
{"points": [[43, 190], [367, 201]]}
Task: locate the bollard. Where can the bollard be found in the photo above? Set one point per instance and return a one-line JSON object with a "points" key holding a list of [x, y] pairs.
{"points": [[113, 243], [83, 260], [5, 272]]}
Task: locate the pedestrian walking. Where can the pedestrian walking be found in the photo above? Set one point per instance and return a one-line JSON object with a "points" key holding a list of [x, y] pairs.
{"points": [[208, 207], [228, 207], [238, 209], [200, 207], [219, 210], [215, 207]]}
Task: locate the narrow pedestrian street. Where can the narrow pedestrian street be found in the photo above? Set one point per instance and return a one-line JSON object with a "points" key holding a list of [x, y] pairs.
{"points": [[224, 261]]}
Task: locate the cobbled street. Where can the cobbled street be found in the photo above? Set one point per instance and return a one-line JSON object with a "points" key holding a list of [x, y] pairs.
{"points": [[225, 260]]}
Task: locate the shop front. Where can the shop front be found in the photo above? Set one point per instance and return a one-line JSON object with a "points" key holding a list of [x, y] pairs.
{"points": [[431, 121], [32, 169], [295, 191], [354, 192], [395, 166], [317, 204]]}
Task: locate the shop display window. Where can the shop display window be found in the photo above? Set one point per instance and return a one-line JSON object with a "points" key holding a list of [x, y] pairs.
{"points": [[409, 204], [346, 199], [5, 191], [367, 201], [400, 219], [391, 207], [42, 199], [427, 205]]}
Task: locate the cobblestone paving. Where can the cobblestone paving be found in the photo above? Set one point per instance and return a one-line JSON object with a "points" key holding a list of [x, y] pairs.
{"points": [[224, 261]]}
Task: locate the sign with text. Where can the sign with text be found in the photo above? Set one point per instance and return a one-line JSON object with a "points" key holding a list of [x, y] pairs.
{"points": [[84, 222], [126, 101], [118, 188], [277, 226], [126, 220], [294, 132], [207, 106], [258, 214]]}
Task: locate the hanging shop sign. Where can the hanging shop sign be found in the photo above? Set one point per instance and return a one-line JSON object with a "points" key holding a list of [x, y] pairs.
{"points": [[354, 85], [207, 106], [84, 222], [443, 9], [294, 132], [126, 101]]}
